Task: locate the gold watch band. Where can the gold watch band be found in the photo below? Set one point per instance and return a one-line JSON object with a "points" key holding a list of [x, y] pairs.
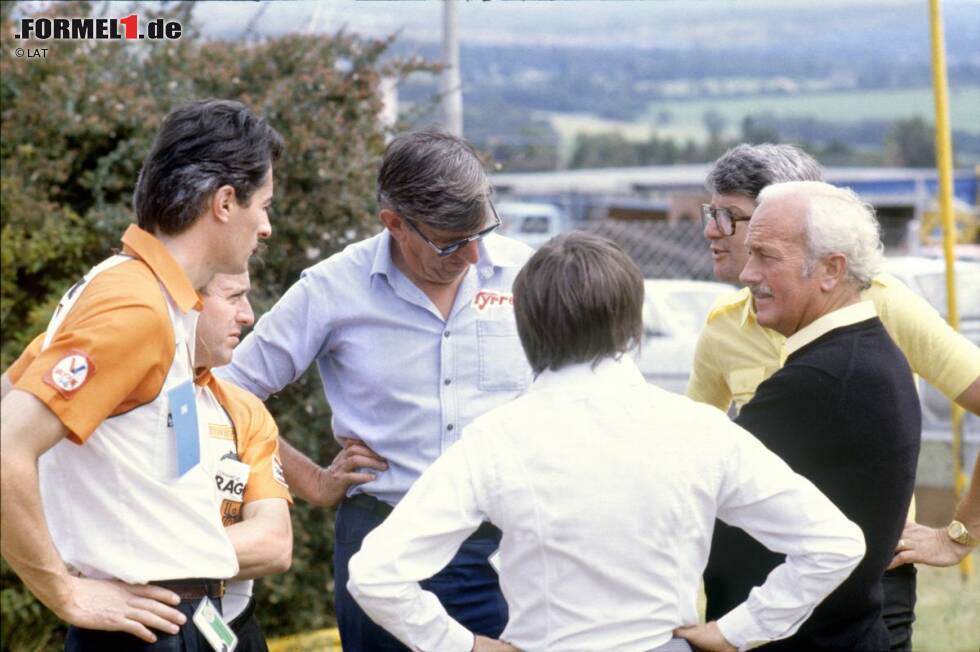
{"points": [[956, 530]]}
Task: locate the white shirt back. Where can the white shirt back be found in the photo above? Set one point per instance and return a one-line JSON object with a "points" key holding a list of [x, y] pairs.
{"points": [[606, 490]]}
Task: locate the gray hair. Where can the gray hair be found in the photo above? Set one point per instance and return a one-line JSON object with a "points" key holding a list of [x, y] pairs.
{"points": [[747, 169], [836, 221], [434, 178]]}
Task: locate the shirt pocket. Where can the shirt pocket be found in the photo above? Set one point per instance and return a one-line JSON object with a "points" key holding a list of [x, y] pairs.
{"points": [[503, 366], [743, 383]]}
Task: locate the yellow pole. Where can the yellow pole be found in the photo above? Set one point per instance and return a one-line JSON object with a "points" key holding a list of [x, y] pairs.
{"points": [[944, 164]]}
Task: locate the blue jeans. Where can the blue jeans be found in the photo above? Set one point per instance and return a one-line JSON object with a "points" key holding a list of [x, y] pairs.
{"points": [[467, 587], [186, 640]]}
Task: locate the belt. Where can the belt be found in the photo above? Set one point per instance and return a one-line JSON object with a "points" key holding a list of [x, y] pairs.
{"points": [[191, 589], [381, 509]]}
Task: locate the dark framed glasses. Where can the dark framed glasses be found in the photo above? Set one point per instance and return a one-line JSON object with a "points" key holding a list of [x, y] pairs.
{"points": [[724, 219], [453, 247]]}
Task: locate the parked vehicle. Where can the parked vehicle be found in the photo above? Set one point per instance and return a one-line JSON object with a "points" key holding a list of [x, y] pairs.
{"points": [[674, 312], [531, 223]]}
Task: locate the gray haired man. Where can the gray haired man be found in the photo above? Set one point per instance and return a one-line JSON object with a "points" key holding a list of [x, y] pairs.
{"points": [[413, 334], [735, 352]]}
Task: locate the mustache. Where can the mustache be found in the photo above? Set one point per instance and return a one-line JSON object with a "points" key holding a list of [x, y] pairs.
{"points": [[761, 292]]}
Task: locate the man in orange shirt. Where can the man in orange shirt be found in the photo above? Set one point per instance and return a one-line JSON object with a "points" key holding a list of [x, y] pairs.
{"points": [[106, 399], [244, 441]]}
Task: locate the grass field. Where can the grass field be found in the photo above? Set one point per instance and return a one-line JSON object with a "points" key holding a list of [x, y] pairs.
{"points": [[686, 116], [948, 610]]}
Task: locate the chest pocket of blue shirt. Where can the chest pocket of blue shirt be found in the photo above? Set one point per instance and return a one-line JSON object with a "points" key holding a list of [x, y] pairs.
{"points": [[503, 366]]}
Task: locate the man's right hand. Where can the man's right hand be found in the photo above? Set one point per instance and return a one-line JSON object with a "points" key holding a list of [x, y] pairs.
{"points": [[117, 606], [334, 480]]}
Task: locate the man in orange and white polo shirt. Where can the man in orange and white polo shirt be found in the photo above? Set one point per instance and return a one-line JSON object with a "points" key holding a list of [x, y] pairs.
{"points": [[244, 450], [108, 496], [245, 442]]}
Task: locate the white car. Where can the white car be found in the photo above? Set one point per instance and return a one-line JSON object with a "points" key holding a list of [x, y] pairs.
{"points": [[531, 223], [674, 312]]}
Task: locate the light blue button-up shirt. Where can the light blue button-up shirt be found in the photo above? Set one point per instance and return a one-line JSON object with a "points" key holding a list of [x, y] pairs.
{"points": [[396, 374]]}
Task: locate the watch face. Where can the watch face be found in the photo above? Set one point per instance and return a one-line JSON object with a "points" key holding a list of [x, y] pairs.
{"points": [[958, 533]]}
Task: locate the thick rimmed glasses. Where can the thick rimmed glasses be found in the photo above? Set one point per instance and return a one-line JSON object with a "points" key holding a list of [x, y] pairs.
{"points": [[453, 247], [724, 219]]}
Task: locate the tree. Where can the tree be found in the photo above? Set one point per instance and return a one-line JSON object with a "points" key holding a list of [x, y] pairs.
{"points": [[910, 143]]}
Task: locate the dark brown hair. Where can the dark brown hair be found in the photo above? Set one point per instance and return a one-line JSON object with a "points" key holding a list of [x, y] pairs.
{"points": [[578, 299]]}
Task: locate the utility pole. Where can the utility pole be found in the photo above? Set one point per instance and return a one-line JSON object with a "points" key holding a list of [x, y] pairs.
{"points": [[452, 87]]}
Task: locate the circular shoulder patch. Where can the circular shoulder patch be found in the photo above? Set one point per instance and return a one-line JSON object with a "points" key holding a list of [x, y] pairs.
{"points": [[70, 373]]}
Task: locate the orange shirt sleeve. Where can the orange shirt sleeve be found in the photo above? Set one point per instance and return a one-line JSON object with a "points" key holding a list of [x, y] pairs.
{"points": [[16, 370], [111, 353], [258, 442]]}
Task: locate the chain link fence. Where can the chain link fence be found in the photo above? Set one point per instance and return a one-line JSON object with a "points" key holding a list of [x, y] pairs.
{"points": [[660, 249]]}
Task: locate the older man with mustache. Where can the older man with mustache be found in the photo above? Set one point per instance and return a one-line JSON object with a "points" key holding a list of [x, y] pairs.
{"points": [[842, 411]]}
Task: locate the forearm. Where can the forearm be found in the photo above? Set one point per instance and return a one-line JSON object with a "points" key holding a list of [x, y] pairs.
{"points": [[302, 473], [968, 511], [263, 541], [969, 398], [25, 541]]}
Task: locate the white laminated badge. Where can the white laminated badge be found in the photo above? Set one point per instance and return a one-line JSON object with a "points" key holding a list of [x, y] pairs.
{"points": [[231, 477], [208, 621]]}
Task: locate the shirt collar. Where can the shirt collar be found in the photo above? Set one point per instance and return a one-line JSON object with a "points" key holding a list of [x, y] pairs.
{"points": [[609, 373], [852, 314], [139, 243], [748, 308]]}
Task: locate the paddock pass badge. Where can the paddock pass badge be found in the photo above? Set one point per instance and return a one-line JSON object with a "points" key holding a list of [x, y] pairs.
{"points": [[208, 621]]}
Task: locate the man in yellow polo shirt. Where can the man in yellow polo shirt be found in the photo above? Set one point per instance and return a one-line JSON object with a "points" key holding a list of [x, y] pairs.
{"points": [[735, 354]]}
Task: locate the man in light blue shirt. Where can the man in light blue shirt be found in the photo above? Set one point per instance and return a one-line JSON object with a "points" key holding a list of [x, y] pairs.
{"points": [[414, 336]]}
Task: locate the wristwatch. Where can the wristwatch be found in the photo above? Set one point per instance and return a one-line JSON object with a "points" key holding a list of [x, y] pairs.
{"points": [[958, 533]]}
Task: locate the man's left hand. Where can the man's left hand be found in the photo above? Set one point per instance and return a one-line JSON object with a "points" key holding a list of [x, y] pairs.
{"points": [[705, 637], [925, 545]]}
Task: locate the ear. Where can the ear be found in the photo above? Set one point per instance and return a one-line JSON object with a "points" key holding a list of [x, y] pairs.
{"points": [[394, 223], [222, 202], [834, 268]]}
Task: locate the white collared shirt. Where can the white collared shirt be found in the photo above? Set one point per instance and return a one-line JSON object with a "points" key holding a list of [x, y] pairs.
{"points": [[606, 490], [852, 314]]}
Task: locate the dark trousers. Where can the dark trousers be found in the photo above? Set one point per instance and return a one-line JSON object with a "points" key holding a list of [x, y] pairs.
{"points": [[246, 628], [467, 587], [898, 606], [186, 640]]}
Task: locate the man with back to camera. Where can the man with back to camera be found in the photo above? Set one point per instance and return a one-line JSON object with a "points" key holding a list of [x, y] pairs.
{"points": [[734, 353], [606, 512], [110, 393], [413, 334], [243, 449], [842, 411]]}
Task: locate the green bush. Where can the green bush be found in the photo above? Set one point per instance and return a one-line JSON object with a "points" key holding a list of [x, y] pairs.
{"points": [[76, 126]]}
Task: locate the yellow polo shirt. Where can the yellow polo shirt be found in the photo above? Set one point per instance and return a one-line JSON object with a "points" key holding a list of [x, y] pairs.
{"points": [[734, 353]]}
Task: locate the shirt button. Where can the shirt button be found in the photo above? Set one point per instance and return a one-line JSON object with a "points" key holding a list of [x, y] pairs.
{"points": [[449, 427], [446, 334], [447, 381]]}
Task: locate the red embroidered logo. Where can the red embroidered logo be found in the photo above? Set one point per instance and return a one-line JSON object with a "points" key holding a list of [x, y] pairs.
{"points": [[485, 299], [70, 373]]}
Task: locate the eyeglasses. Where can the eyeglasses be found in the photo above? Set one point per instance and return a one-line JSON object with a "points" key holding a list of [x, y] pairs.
{"points": [[724, 219], [453, 247]]}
